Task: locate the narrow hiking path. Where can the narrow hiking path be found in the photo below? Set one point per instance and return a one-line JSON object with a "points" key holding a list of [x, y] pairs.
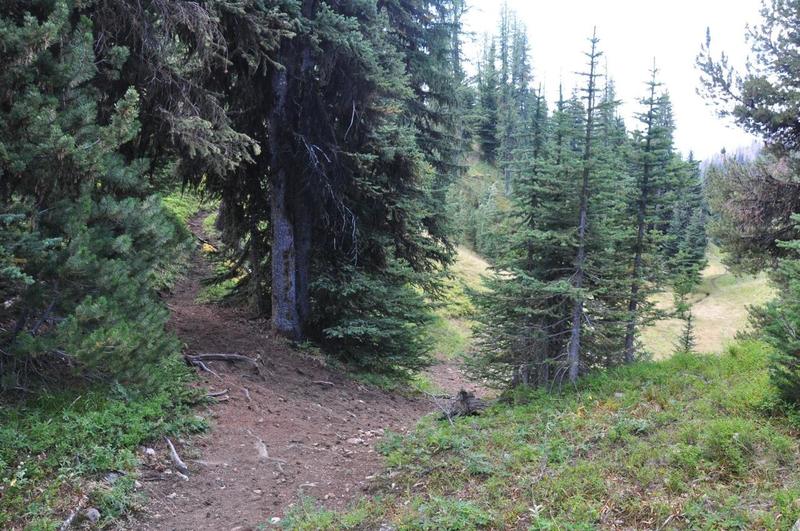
{"points": [[300, 429]]}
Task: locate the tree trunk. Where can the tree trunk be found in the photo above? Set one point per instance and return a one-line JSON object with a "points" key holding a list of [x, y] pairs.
{"points": [[574, 351], [303, 240], [285, 318], [641, 217]]}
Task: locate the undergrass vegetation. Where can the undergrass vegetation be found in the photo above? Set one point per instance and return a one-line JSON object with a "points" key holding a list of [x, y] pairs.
{"points": [[693, 442], [451, 329], [62, 445], [79, 440]]}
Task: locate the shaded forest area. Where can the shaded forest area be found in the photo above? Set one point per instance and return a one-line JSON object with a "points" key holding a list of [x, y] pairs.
{"points": [[337, 154]]}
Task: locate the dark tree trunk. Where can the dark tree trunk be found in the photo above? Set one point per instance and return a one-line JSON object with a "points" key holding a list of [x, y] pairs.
{"points": [[641, 217], [303, 240], [291, 202], [285, 318], [574, 351]]}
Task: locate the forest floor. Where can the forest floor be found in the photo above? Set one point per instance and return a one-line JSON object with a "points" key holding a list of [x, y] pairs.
{"points": [[298, 430]]}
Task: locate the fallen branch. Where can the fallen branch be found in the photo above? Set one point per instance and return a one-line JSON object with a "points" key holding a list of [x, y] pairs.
{"points": [[232, 358], [73, 515], [216, 394], [322, 382], [176, 459], [195, 359], [247, 394], [200, 365]]}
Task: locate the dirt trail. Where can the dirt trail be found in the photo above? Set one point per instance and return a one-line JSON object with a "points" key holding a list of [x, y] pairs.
{"points": [[300, 429]]}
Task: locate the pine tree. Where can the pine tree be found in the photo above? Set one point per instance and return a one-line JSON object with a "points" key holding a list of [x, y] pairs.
{"points": [[652, 153], [82, 238], [488, 87], [523, 329], [570, 229], [579, 276], [683, 310]]}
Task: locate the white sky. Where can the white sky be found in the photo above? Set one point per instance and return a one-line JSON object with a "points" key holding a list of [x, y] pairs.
{"points": [[632, 33]]}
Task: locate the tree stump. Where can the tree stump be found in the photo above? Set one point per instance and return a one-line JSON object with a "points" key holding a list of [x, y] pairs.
{"points": [[465, 404]]}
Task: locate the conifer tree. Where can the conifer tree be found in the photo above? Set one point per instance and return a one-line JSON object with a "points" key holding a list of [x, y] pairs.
{"points": [[651, 155], [579, 276], [82, 238], [523, 330], [488, 87]]}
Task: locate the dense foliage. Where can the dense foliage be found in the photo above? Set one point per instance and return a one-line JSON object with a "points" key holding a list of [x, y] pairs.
{"points": [[599, 219], [756, 203], [99, 114], [82, 237]]}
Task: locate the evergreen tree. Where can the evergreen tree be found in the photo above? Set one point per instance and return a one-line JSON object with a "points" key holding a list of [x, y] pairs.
{"points": [[651, 155], [579, 276], [683, 310], [355, 206], [523, 325], [756, 204], [82, 238], [488, 87]]}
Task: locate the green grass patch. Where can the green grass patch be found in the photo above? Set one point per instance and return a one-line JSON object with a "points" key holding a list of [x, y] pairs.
{"points": [[185, 204], [59, 446], [691, 442], [451, 329]]}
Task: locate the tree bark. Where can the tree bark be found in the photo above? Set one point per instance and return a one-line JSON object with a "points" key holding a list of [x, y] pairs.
{"points": [[641, 216], [574, 351], [285, 318]]}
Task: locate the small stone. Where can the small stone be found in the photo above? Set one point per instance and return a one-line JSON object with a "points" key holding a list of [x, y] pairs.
{"points": [[619, 395], [112, 477], [274, 520], [172, 495], [257, 491], [355, 440], [92, 515]]}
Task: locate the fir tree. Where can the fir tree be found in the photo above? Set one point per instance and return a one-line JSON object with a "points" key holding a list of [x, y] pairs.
{"points": [[579, 276], [82, 238], [652, 153], [488, 87]]}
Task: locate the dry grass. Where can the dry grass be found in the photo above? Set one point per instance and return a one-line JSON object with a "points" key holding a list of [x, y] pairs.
{"points": [[720, 310]]}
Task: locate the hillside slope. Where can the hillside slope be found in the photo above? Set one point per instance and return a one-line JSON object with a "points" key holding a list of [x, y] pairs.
{"points": [[720, 309], [677, 444]]}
